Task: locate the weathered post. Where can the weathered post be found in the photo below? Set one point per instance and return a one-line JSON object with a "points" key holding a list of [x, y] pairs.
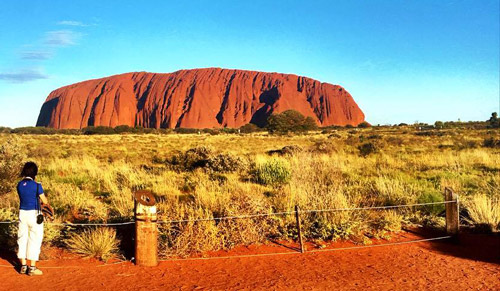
{"points": [[146, 237], [452, 212], [299, 228]]}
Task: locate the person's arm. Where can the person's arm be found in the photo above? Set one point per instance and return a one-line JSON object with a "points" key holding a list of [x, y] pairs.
{"points": [[44, 199]]}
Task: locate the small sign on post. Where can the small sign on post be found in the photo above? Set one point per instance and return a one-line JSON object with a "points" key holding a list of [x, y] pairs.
{"points": [[452, 212], [146, 236]]}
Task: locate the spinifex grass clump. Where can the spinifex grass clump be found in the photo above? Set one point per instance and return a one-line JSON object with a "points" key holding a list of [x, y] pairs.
{"points": [[99, 243], [484, 212]]}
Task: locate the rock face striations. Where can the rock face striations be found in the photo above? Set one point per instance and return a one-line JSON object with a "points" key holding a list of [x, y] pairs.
{"points": [[199, 98]]}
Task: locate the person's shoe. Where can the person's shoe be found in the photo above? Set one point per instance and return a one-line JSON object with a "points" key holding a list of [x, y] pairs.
{"points": [[23, 269], [34, 271]]}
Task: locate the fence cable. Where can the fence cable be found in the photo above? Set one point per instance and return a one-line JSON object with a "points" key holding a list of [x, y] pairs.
{"points": [[310, 251], [248, 215]]}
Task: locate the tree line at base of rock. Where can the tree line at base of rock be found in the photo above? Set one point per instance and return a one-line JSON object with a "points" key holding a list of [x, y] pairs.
{"points": [[289, 121]]}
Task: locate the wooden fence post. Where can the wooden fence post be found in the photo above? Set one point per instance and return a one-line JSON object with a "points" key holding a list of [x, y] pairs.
{"points": [[146, 236], [299, 228], [452, 212]]}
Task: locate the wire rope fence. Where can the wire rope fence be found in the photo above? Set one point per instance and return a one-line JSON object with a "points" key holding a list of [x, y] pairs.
{"points": [[146, 224]]}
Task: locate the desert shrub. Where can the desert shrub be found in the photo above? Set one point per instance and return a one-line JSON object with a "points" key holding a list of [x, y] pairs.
{"points": [[325, 147], [99, 243], [394, 140], [34, 130], [183, 130], [272, 172], [286, 150], [125, 129], [367, 149], [431, 197], [388, 221], [8, 231], [211, 131], [91, 130], [429, 133], [52, 234], [491, 143], [364, 124], [465, 144], [224, 163], [249, 128], [290, 121], [334, 135], [494, 121], [11, 162], [332, 226], [191, 159], [483, 212]]}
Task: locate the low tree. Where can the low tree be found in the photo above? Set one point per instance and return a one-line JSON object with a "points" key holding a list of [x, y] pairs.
{"points": [[290, 121], [438, 124], [494, 120], [249, 128], [364, 124]]}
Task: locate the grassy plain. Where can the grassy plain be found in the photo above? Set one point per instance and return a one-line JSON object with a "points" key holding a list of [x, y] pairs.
{"points": [[92, 178]]}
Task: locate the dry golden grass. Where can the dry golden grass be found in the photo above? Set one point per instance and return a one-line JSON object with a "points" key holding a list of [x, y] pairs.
{"points": [[483, 210], [92, 178], [99, 243]]}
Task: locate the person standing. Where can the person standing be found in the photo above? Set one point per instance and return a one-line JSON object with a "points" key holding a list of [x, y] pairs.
{"points": [[30, 233]]}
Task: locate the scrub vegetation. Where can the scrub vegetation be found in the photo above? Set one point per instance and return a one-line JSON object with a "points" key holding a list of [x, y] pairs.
{"points": [[91, 178]]}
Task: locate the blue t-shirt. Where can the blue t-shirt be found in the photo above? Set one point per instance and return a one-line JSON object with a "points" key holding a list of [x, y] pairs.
{"points": [[28, 191]]}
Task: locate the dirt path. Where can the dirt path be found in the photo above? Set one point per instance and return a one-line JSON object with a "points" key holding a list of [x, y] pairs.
{"points": [[439, 265]]}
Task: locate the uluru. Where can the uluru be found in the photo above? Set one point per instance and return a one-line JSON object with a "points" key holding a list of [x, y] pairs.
{"points": [[197, 98]]}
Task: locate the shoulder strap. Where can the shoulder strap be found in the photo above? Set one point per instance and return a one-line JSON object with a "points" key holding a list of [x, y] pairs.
{"points": [[38, 206]]}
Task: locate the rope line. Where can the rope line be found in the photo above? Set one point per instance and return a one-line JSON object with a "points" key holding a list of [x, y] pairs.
{"points": [[64, 267], [312, 251], [376, 207], [228, 217], [249, 215], [266, 255]]}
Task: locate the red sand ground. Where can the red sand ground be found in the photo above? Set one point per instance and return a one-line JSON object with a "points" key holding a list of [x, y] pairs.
{"points": [[474, 263]]}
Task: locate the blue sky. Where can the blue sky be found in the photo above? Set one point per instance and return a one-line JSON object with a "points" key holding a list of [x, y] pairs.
{"points": [[403, 61]]}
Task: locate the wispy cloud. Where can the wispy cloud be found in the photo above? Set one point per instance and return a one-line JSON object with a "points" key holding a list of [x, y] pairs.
{"points": [[72, 23], [61, 38], [36, 55], [23, 76]]}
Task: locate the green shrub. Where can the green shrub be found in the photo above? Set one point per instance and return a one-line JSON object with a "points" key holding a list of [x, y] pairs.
{"points": [[273, 172], [431, 197]]}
